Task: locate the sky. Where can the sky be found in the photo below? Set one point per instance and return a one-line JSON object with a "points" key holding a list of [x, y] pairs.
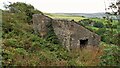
{"points": [[64, 6]]}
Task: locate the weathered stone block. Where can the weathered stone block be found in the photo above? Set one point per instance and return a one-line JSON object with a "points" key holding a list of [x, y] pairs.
{"points": [[70, 33]]}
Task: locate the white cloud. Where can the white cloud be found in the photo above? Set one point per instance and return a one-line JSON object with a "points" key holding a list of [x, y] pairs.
{"points": [[71, 6]]}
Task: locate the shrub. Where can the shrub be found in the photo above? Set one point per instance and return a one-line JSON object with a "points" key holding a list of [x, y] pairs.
{"points": [[51, 36], [101, 31], [72, 63], [21, 51], [86, 22], [34, 47], [7, 57], [23, 8], [98, 25], [111, 56], [11, 42]]}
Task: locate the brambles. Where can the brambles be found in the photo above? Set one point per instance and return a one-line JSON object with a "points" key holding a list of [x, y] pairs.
{"points": [[111, 56]]}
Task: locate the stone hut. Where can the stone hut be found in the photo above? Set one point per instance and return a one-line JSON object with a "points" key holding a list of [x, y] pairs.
{"points": [[70, 33]]}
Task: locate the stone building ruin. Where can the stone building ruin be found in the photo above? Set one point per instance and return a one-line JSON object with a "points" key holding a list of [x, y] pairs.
{"points": [[71, 34]]}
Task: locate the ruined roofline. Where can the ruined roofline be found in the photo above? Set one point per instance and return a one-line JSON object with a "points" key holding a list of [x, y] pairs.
{"points": [[66, 20]]}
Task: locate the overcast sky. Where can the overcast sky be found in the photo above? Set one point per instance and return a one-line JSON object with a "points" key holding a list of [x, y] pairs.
{"points": [[64, 6]]}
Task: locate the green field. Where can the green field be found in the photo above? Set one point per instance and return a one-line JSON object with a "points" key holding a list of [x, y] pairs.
{"points": [[69, 17]]}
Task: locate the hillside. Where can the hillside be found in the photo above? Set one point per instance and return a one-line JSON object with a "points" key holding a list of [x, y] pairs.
{"points": [[21, 46], [87, 15]]}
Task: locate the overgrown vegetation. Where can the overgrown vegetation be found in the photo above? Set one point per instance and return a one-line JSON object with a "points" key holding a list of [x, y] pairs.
{"points": [[22, 47], [109, 32], [51, 34], [111, 56]]}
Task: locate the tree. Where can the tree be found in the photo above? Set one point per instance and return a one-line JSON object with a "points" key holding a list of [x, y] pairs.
{"points": [[115, 8], [24, 9], [98, 25], [118, 4]]}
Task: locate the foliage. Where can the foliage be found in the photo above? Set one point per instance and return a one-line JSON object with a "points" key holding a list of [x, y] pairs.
{"points": [[113, 6], [98, 25], [86, 22], [26, 9], [116, 39], [110, 34], [21, 47], [51, 36], [101, 31], [111, 56], [89, 22]]}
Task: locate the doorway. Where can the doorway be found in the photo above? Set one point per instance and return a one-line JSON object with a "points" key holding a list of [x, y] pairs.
{"points": [[83, 43]]}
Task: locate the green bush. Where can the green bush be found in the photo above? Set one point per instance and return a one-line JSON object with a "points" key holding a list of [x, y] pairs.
{"points": [[21, 51], [86, 22], [7, 57], [111, 56], [34, 47], [72, 63], [101, 31], [26, 9], [11, 42], [98, 25], [51, 36]]}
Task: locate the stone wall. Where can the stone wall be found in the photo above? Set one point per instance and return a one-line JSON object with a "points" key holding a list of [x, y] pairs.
{"points": [[39, 24], [70, 33]]}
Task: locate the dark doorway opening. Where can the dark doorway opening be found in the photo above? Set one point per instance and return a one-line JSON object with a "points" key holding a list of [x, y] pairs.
{"points": [[83, 43]]}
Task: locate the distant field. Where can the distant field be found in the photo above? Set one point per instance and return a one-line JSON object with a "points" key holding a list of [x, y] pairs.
{"points": [[69, 17]]}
